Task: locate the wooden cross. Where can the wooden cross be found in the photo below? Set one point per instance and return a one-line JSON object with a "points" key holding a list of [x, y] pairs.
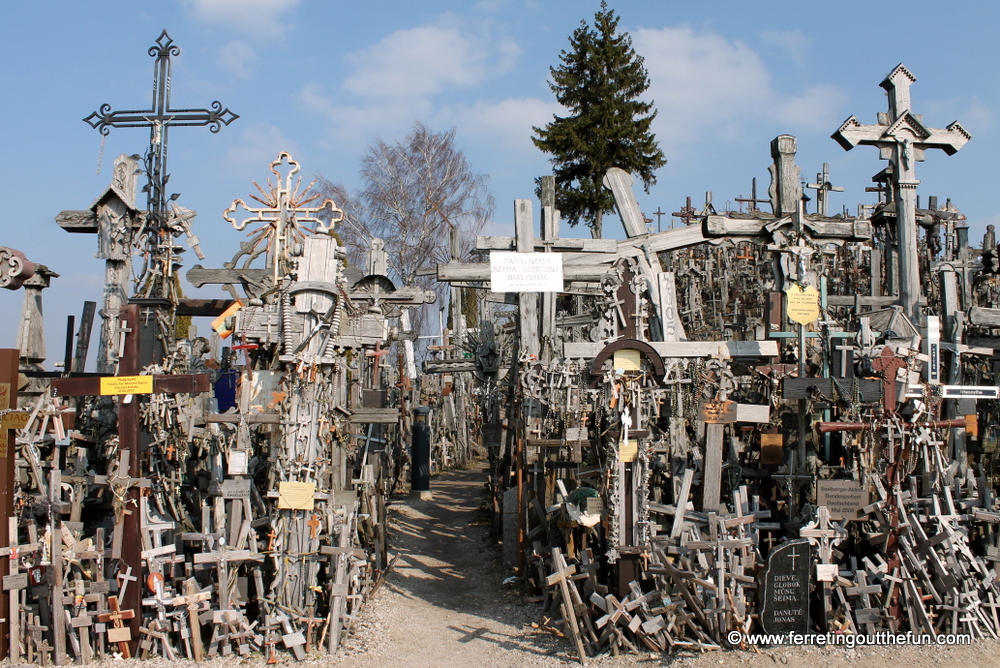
{"points": [[659, 214], [119, 633], [687, 213], [562, 572], [313, 525], [752, 201], [192, 599], [822, 187], [902, 138]]}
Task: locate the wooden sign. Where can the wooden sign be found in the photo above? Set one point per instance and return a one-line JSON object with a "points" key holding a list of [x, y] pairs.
{"points": [[718, 412], [802, 304], [772, 449], [843, 498], [15, 420], [296, 495], [970, 392], [126, 385], [933, 349], [972, 425], [526, 272]]}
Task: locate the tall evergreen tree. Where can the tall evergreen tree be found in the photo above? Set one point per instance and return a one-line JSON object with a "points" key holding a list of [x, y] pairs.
{"points": [[599, 80]]}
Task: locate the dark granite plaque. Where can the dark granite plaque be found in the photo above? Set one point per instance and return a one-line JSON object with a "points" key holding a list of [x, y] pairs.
{"points": [[785, 596]]}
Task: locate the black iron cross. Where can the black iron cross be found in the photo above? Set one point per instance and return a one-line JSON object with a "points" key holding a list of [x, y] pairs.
{"points": [[158, 119]]}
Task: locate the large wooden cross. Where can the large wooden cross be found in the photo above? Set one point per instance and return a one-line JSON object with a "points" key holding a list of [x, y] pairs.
{"points": [[902, 138]]}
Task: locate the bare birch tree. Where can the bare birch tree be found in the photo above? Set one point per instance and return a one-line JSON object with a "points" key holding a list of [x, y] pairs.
{"points": [[414, 192]]}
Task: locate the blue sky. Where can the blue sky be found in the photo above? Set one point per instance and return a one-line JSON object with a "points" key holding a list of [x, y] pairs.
{"points": [[323, 78]]}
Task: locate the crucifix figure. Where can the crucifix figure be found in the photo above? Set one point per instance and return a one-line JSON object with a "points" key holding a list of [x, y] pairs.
{"points": [[902, 138]]}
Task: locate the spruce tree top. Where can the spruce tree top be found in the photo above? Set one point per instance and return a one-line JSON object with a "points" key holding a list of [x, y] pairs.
{"points": [[599, 81]]}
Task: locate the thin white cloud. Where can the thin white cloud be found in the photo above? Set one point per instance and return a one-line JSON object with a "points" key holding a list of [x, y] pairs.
{"points": [[238, 58], [425, 61], [258, 146], [260, 17], [404, 75], [703, 83], [506, 123], [793, 41]]}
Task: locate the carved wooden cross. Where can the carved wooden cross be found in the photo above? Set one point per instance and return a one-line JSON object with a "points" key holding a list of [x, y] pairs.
{"points": [[902, 138], [118, 633], [822, 187]]}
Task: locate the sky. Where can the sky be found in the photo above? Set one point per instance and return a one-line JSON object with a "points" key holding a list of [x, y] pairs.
{"points": [[323, 79]]}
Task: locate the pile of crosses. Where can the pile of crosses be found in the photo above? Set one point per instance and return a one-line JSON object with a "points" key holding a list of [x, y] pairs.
{"points": [[151, 517], [760, 421]]}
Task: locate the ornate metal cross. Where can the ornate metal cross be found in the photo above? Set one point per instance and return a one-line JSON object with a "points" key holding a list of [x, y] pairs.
{"points": [[159, 118], [283, 215]]}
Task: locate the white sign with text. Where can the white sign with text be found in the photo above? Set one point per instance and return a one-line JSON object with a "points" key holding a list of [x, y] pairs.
{"points": [[526, 272]]}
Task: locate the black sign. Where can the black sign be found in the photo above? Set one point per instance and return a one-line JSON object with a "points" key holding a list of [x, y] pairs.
{"points": [[785, 598]]}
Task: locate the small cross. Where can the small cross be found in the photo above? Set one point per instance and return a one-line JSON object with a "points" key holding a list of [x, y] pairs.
{"points": [[124, 579], [752, 201], [794, 555], [687, 213], [659, 214], [313, 525], [822, 187]]}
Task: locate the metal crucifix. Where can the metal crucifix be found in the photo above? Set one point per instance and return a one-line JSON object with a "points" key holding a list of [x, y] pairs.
{"points": [[159, 118]]}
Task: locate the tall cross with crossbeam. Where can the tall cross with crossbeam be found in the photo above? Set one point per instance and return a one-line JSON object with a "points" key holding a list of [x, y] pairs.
{"points": [[159, 118], [902, 138]]}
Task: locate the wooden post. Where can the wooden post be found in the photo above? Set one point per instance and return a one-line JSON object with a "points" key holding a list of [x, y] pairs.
{"points": [[527, 303], [8, 399], [128, 434]]}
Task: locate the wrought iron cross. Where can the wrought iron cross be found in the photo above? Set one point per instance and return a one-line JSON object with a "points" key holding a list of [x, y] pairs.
{"points": [[159, 118]]}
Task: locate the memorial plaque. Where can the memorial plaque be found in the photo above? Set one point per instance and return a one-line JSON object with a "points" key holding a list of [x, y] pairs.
{"points": [[718, 412], [526, 272], [802, 304], [236, 488], [843, 498], [785, 597], [16, 581]]}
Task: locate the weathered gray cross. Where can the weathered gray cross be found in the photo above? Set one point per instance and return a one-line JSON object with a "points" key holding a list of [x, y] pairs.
{"points": [[902, 138]]}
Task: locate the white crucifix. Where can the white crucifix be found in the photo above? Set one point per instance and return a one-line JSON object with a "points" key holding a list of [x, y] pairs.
{"points": [[902, 138], [284, 214]]}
